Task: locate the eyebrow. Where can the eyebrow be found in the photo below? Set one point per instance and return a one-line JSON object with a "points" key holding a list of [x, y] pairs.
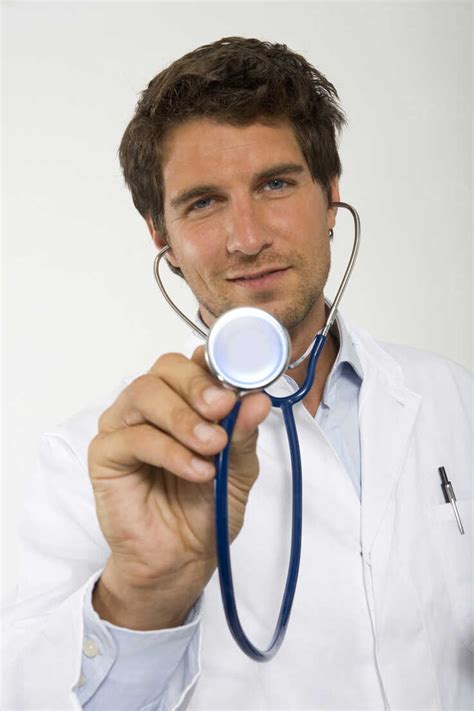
{"points": [[199, 190]]}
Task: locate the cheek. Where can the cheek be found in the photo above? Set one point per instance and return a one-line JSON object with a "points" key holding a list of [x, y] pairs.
{"points": [[313, 214], [198, 254], [306, 233], [304, 214]]}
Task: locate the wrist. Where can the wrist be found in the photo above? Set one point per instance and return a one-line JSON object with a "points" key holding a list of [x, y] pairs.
{"points": [[162, 604]]}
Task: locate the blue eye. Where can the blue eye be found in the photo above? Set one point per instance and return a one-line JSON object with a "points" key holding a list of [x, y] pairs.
{"points": [[200, 204], [276, 184]]}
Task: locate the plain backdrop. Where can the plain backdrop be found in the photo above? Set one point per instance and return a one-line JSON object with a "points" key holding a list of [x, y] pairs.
{"points": [[81, 308]]}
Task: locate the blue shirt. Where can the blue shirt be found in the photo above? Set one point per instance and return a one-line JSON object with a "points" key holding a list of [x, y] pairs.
{"points": [[338, 412]]}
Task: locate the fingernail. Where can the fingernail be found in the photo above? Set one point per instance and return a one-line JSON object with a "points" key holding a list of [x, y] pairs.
{"points": [[205, 433], [201, 467], [212, 395]]}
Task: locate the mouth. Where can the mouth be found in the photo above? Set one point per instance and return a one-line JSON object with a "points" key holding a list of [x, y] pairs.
{"points": [[262, 279]]}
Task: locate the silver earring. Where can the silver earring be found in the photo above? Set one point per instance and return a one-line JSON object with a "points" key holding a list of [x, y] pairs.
{"points": [[331, 234]]}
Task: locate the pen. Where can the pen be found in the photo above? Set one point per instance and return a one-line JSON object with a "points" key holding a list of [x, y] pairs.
{"points": [[450, 497]]}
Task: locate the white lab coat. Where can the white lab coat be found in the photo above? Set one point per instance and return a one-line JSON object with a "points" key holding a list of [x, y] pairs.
{"points": [[382, 616]]}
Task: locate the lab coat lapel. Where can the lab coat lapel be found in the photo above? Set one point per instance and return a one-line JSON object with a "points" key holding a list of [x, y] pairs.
{"points": [[387, 415]]}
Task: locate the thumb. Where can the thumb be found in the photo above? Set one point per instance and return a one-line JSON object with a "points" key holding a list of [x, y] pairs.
{"points": [[254, 409], [243, 460]]}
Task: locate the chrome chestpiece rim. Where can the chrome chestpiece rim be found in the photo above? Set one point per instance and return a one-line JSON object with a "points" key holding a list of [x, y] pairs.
{"points": [[247, 349]]}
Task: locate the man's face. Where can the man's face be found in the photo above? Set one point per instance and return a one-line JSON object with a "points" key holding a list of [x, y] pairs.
{"points": [[246, 223]]}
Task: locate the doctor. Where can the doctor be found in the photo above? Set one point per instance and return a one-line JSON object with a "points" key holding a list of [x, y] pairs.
{"points": [[231, 158]]}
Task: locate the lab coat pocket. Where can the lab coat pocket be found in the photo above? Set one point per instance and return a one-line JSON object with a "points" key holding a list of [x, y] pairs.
{"points": [[457, 562]]}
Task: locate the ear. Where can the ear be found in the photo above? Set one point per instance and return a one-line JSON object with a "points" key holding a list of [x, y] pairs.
{"points": [[160, 240], [335, 197]]}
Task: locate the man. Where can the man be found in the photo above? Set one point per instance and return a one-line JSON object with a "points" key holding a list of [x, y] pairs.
{"points": [[232, 160]]}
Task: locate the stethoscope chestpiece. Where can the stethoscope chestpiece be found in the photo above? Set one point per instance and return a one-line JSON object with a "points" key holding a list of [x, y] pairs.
{"points": [[247, 349]]}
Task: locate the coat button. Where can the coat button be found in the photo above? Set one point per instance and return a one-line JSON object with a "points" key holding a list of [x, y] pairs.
{"points": [[90, 648]]}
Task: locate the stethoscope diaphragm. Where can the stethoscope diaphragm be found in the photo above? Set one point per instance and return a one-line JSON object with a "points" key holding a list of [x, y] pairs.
{"points": [[247, 348]]}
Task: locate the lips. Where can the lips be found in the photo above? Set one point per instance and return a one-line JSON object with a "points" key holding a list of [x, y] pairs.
{"points": [[257, 275], [263, 279]]}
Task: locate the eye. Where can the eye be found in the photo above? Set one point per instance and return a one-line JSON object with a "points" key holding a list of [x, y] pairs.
{"points": [[276, 184], [200, 204]]}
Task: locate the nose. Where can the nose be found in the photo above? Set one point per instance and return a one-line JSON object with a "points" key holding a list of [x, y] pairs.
{"points": [[246, 231]]}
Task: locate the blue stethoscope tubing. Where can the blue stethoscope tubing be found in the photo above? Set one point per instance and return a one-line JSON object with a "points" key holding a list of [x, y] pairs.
{"points": [[222, 520], [222, 461]]}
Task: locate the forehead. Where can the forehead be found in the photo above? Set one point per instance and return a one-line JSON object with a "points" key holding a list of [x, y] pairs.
{"points": [[206, 150]]}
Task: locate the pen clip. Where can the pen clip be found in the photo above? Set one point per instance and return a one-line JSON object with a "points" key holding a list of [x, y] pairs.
{"points": [[450, 497]]}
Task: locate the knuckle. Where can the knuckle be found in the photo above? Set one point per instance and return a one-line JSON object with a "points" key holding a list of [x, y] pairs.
{"points": [[168, 360], [136, 398], [95, 449], [198, 354], [181, 416], [138, 387], [202, 379], [198, 383], [133, 437], [103, 422]]}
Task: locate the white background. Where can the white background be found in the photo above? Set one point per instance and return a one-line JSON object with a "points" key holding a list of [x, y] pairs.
{"points": [[81, 309]]}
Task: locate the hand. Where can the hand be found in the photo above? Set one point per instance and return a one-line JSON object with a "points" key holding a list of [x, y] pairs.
{"points": [[151, 469]]}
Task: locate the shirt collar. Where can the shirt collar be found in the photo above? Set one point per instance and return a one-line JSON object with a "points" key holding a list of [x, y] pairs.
{"points": [[346, 352]]}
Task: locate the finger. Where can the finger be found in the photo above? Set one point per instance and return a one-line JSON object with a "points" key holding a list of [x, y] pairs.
{"points": [[243, 463], [254, 409], [187, 379], [254, 406], [121, 453], [193, 382], [199, 357], [150, 400]]}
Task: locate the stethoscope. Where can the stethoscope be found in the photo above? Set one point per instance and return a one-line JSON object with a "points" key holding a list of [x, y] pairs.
{"points": [[247, 349]]}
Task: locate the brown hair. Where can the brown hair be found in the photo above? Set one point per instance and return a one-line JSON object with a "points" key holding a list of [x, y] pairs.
{"points": [[238, 81]]}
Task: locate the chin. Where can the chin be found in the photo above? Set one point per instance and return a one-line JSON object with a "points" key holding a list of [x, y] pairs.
{"points": [[292, 316], [288, 314]]}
